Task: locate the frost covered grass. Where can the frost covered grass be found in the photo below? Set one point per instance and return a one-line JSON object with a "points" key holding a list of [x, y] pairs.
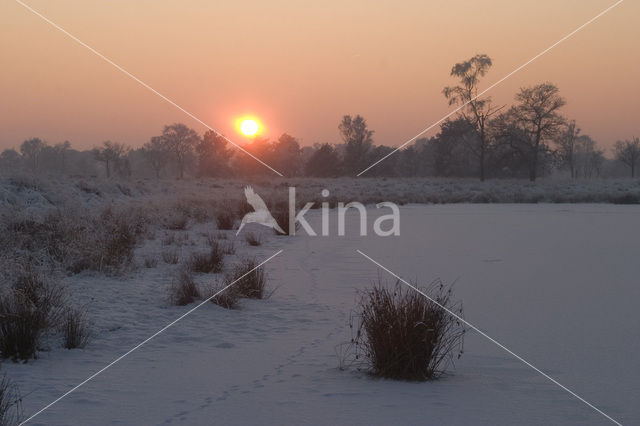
{"points": [[251, 283], [75, 240], [404, 335], [208, 262], [253, 239], [20, 328], [171, 256], [76, 328], [183, 289], [227, 298], [29, 309]]}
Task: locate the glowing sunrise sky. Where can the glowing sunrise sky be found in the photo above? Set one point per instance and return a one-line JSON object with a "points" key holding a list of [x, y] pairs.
{"points": [[300, 66]]}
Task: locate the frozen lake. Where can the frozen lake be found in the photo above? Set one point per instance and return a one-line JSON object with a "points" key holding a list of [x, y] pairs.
{"points": [[557, 284]]}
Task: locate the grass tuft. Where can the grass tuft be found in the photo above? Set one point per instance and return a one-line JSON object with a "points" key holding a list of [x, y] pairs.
{"points": [[183, 289], [251, 282], [404, 335]]}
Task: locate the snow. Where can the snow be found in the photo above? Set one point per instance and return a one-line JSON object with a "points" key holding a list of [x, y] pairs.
{"points": [[557, 284]]}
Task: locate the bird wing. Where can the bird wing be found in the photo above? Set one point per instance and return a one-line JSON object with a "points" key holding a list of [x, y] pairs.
{"points": [[254, 199]]}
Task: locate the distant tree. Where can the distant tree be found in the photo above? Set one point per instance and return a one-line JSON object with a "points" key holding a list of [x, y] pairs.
{"points": [[566, 141], [385, 168], [181, 141], [112, 155], [453, 149], [537, 116], [213, 155], [323, 162], [157, 154], [628, 153], [410, 161], [475, 110], [10, 160], [245, 165], [31, 149], [61, 152], [358, 140], [287, 155], [588, 158]]}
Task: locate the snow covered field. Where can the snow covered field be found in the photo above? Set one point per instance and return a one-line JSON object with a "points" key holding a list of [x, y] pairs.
{"points": [[556, 283]]}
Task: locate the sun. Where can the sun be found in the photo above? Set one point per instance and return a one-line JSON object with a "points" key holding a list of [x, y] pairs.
{"points": [[249, 127]]}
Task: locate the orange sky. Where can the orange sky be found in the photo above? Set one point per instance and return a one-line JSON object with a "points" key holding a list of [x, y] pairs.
{"points": [[300, 66]]}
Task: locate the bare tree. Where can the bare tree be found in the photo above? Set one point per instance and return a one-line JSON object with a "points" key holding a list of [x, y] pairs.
{"points": [[156, 153], [566, 141], [31, 150], [588, 158], [537, 116], [628, 152], [112, 154], [181, 141], [358, 140], [475, 110]]}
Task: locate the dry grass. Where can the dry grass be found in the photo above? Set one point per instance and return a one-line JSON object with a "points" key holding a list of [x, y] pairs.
{"points": [[20, 328], [210, 262], [76, 328], [251, 282], [225, 220], [405, 336], [150, 262], [176, 222], [183, 289], [227, 298], [253, 239], [33, 305], [170, 256]]}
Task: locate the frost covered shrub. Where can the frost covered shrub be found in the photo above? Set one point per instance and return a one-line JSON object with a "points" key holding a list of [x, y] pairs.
{"points": [[10, 402], [77, 241], [251, 282], [210, 262], [43, 294], [27, 310], [76, 328], [404, 335], [116, 242], [20, 328], [183, 289]]}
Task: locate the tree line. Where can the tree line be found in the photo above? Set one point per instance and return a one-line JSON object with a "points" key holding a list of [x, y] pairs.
{"points": [[525, 140]]}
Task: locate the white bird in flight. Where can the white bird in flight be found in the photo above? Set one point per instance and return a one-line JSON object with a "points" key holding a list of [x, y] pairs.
{"points": [[260, 214]]}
